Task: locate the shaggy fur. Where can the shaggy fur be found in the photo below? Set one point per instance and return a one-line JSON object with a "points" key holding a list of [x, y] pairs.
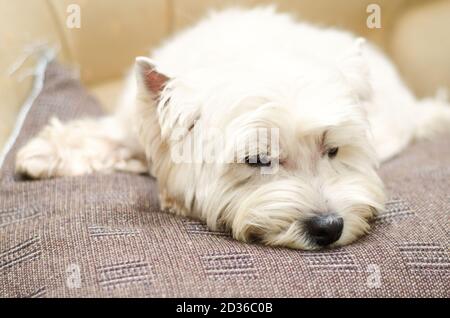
{"points": [[319, 91]]}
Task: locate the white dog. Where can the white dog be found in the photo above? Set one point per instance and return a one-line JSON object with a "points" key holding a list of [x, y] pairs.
{"points": [[338, 107]]}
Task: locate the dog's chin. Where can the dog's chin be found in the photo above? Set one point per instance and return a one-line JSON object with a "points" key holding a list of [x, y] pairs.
{"points": [[294, 238], [278, 213], [291, 234]]}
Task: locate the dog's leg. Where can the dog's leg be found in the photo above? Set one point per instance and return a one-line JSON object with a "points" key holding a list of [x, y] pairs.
{"points": [[397, 118], [432, 117], [418, 120], [80, 147]]}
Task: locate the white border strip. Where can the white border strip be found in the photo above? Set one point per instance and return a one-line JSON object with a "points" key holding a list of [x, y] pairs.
{"points": [[38, 84]]}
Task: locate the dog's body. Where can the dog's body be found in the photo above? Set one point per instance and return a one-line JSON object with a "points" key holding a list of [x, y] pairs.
{"points": [[338, 106]]}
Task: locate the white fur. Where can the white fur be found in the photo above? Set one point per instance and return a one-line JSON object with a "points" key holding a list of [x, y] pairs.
{"points": [[236, 71]]}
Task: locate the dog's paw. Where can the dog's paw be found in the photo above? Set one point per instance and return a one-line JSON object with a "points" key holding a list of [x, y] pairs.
{"points": [[37, 159], [47, 155], [76, 148]]}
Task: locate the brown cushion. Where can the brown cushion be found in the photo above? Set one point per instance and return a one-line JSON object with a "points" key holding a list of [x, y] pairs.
{"points": [[103, 235]]}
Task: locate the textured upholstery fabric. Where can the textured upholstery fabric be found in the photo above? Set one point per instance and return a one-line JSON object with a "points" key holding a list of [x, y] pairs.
{"points": [[103, 235]]}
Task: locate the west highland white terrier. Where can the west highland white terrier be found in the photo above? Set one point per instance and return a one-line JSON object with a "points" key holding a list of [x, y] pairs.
{"points": [[292, 118]]}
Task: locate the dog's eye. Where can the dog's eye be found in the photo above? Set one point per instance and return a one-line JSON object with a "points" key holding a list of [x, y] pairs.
{"points": [[258, 161], [332, 152]]}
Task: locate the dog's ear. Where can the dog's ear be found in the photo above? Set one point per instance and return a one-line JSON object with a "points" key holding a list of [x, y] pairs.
{"points": [[170, 113], [355, 69], [150, 80]]}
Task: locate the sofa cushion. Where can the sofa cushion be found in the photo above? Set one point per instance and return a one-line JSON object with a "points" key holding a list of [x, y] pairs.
{"points": [[103, 235]]}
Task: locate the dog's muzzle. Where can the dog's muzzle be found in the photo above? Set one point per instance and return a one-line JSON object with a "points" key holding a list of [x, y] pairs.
{"points": [[325, 229]]}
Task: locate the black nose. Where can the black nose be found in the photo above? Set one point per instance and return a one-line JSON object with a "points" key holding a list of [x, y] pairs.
{"points": [[324, 229]]}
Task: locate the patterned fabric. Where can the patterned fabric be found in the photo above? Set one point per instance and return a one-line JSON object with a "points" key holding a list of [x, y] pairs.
{"points": [[103, 235]]}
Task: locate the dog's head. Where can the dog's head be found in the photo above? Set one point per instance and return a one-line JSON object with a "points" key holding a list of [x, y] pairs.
{"points": [[280, 156]]}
